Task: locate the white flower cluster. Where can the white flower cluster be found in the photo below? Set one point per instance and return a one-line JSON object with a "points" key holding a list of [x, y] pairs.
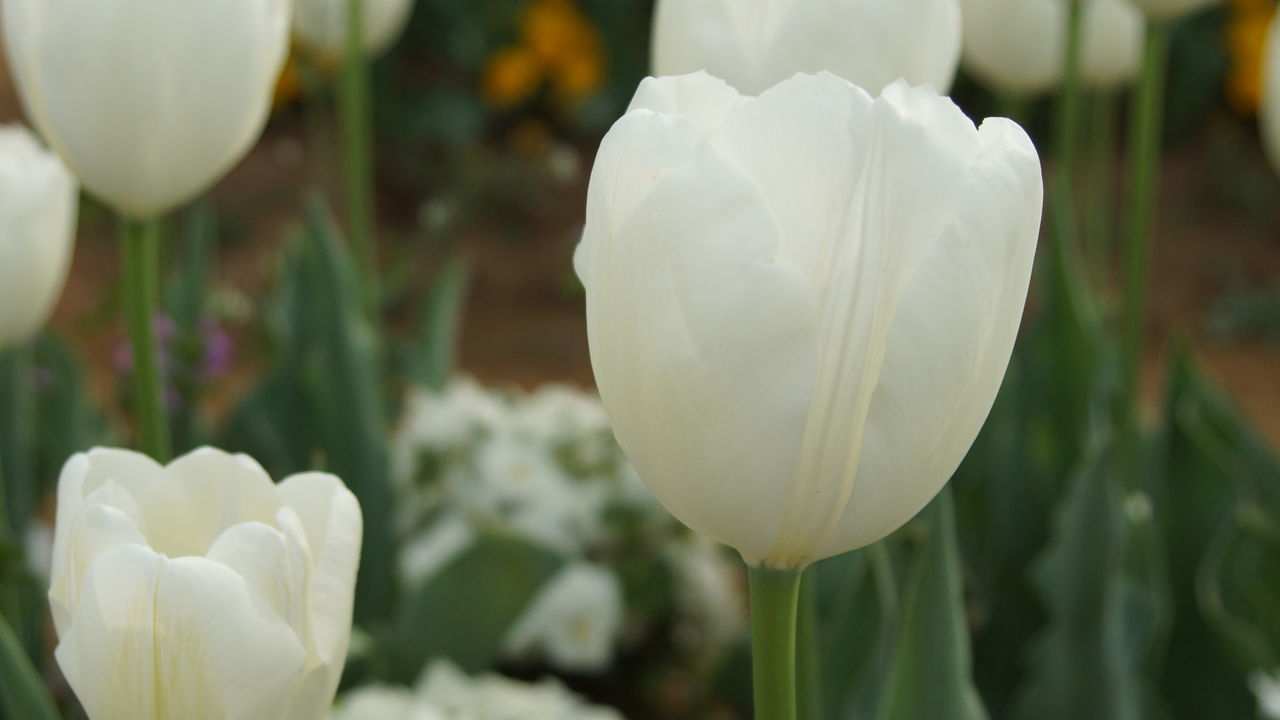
{"points": [[446, 693], [545, 466]]}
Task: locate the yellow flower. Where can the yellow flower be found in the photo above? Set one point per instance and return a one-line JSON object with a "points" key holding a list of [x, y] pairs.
{"points": [[1246, 34], [512, 77]]}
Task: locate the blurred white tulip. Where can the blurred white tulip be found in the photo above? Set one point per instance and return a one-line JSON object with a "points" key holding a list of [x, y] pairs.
{"points": [[1019, 46], [201, 590], [754, 45], [800, 306], [149, 102], [1170, 9], [38, 204], [1269, 110], [322, 24]]}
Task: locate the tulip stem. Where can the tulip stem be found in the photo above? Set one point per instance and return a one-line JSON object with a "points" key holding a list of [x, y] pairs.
{"points": [[354, 99], [17, 367], [1144, 155], [1101, 184], [809, 705], [775, 595], [140, 260]]}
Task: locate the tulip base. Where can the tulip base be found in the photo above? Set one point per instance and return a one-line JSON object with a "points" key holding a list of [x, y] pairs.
{"points": [[775, 596], [140, 265]]}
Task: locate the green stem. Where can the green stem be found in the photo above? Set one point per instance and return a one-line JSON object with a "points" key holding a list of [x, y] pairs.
{"points": [[775, 595], [354, 99], [1100, 186], [808, 656], [1144, 152], [1068, 127], [140, 260]]}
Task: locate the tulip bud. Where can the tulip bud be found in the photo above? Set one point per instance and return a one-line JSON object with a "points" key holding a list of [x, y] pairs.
{"points": [[149, 102], [1269, 109], [800, 306], [201, 590], [322, 24], [38, 203], [1019, 46], [1170, 9], [754, 45]]}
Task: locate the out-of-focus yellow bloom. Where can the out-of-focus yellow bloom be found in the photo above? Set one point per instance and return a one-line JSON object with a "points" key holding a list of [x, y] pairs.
{"points": [[1246, 38], [288, 85], [559, 47], [512, 76]]}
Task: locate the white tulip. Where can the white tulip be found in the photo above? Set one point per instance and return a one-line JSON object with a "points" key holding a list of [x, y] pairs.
{"points": [[149, 101], [38, 203], [755, 45], [1170, 9], [201, 590], [1019, 45], [800, 306], [1269, 110], [322, 24]]}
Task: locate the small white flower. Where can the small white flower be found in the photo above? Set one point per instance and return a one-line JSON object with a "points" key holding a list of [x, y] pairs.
{"points": [[709, 590], [574, 622], [493, 697], [518, 485], [386, 703]]}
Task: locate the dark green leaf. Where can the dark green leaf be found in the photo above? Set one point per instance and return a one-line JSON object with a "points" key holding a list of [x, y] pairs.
{"points": [[22, 694], [463, 612], [931, 674]]}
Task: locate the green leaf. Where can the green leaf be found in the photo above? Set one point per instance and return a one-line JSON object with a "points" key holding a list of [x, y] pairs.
{"points": [[434, 350], [463, 612], [22, 694], [857, 604], [1217, 507], [931, 675], [1083, 664], [341, 373], [321, 403]]}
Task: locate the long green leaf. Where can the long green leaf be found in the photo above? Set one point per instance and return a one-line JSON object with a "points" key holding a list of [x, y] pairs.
{"points": [[435, 346], [343, 380], [1082, 666], [1218, 507], [931, 676], [22, 694]]}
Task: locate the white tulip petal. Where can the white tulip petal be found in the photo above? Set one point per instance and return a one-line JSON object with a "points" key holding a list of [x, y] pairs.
{"points": [[322, 24], [38, 207], [202, 588], [950, 341], [149, 101], [108, 654], [799, 314], [334, 527], [1018, 46], [86, 473], [702, 99], [729, 317], [106, 520], [207, 492], [757, 45], [156, 638], [276, 564]]}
